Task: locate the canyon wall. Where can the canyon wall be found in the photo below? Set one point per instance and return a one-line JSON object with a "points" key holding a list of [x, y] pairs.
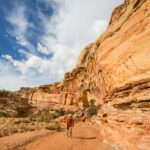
{"points": [[120, 69], [115, 71], [112, 67]]}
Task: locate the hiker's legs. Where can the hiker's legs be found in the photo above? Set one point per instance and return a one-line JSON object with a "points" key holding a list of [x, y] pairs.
{"points": [[67, 130], [70, 130]]}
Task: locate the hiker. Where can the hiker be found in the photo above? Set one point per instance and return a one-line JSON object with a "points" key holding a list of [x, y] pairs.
{"points": [[70, 124]]}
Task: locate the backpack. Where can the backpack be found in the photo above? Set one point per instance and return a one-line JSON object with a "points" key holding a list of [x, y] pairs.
{"points": [[70, 121]]}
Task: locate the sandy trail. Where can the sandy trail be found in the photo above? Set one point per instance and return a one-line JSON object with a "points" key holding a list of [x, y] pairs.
{"points": [[85, 137]]}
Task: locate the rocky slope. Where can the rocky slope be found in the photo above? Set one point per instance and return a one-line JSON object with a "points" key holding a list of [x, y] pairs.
{"points": [[12, 105], [115, 71]]}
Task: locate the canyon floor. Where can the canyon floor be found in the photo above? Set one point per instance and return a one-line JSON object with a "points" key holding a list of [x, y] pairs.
{"points": [[85, 137]]}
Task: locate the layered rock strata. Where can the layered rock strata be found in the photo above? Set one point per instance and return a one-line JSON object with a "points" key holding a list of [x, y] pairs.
{"points": [[117, 61], [115, 71]]}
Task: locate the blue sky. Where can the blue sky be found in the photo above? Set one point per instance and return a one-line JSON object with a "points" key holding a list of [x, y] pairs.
{"points": [[41, 39]]}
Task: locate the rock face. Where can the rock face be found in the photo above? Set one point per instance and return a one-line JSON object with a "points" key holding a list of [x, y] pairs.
{"points": [[111, 68], [115, 71], [11, 104]]}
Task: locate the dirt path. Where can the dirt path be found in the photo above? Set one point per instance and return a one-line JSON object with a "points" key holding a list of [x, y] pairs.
{"points": [[13, 142], [85, 137]]}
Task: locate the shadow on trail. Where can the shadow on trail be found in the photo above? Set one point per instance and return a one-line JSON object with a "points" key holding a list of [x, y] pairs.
{"points": [[84, 138]]}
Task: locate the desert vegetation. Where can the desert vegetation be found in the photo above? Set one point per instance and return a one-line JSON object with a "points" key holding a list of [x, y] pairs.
{"points": [[42, 119], [91, 109]]}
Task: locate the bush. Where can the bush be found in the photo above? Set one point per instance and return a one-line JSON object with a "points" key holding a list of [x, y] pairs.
{"points": [[92, 109], [69, 112], [18, 121], [45, 117], [22, 120], [25, 121], [3, 114], [54, 126], [32, 129], [60, 112]]}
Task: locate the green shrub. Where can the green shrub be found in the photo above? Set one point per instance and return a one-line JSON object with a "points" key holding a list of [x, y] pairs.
{"points": [[92, 102], [49, 117], [32, 129], [92, 109], [4, 114], [54, 126], [60, 112], [22, 120], [69, 112], [18, 121], [25, 121], [45, 117]]}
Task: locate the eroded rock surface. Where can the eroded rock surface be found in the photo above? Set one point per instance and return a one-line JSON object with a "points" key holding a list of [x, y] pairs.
{"points": [[115, 71], [12, 105]]}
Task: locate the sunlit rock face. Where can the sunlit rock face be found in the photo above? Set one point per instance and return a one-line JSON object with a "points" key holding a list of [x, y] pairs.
{"points": [[118, 70], [121, 55], [115, 71], [115, 68]]}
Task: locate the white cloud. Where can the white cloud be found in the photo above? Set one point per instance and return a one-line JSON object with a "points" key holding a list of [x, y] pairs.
{"points": [[20, 24], [42, 49], [18, 19], [10, 79], [98, 27], [73, 25], [7, 57]]}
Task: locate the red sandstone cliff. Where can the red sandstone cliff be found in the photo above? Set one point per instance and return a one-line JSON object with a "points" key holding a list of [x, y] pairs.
{"points": [[117, 62], [114, 70]]}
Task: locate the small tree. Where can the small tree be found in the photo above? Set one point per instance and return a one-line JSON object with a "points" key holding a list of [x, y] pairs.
{"points": [[92, 102], [91, 110]]}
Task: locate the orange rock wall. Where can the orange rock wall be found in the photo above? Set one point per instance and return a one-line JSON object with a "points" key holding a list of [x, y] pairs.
{"points": [[115, 71]]}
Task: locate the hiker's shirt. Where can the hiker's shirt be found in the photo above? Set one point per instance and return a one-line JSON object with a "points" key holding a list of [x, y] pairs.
{"points": [[70, 122]]}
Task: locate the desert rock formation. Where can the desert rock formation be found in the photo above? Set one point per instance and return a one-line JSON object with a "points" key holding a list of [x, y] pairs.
{"points": [[115, 71], [12, 104]]}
